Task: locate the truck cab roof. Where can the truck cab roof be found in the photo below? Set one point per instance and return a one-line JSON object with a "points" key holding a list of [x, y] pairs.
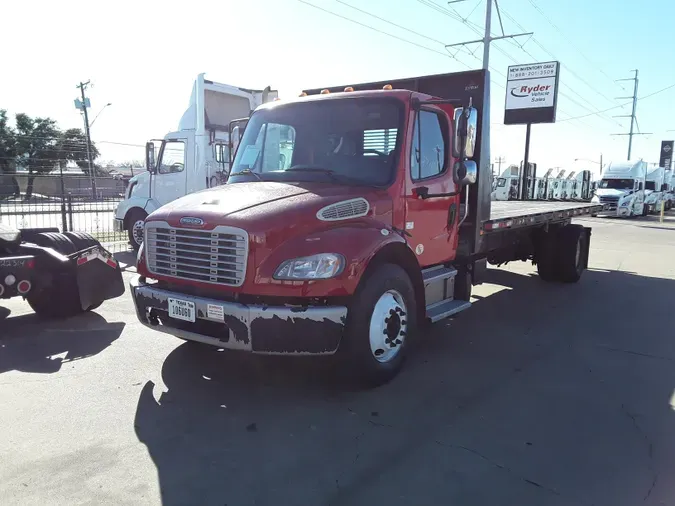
{"points": [[399, 94]]}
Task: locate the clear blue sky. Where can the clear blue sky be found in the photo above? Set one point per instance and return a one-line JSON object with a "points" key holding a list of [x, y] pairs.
{"points": [[144, 56]]}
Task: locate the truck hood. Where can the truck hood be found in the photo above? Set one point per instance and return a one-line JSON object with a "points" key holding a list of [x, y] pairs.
{"points": [[257, 205]]}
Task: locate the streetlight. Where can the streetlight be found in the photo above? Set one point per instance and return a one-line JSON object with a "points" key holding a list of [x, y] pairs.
{"points": [[99, 113]]}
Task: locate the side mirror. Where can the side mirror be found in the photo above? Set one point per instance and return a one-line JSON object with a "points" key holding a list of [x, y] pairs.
{"points": [[150, 157], [221, 154], [465, 173], [466, 126], [236, 131]]}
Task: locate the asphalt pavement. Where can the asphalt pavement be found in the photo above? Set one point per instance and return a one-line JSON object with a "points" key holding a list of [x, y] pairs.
{"points": [[540, 394]]}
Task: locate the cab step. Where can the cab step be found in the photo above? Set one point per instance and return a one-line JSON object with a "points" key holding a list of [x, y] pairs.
{"points": [[445, 308]]}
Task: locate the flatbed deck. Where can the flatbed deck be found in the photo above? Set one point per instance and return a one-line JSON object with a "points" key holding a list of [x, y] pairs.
{"points": [[517, 213]]}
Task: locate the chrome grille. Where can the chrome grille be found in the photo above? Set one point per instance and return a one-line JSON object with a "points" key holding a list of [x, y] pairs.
{"points": [[210, 256], [609, 200]]}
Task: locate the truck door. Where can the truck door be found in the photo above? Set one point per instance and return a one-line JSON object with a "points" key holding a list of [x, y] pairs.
{"points": [[431, 221], [170, 180]]}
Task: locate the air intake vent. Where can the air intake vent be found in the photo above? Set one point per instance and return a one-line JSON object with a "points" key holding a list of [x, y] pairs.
{"points": [[344, 210]]}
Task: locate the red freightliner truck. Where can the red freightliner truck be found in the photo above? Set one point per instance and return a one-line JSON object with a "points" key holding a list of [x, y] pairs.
{"points": [[352, 217]]}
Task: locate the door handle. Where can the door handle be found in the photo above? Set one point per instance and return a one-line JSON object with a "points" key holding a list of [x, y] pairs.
{"points": [[452, 214]]}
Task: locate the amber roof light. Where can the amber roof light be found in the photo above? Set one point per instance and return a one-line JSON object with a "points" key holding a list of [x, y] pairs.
{"points": [[387, 87]]}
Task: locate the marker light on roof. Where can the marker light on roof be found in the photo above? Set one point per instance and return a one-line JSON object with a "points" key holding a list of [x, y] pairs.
{"points": [[387, 87], [349, 88], [303, 94], [325, 92]]}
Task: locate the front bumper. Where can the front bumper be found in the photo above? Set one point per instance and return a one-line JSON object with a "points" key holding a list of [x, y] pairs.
{"points": [[314, 330]]}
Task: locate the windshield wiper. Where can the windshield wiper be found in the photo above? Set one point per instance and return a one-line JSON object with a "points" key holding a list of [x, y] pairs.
{"points": [[246, 172], [338, 178]]}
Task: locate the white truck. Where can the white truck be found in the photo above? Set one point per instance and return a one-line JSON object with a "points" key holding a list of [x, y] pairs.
{"points": [[622, 188], [655, 189], [669, 188], [195, 157], [507, 184]]}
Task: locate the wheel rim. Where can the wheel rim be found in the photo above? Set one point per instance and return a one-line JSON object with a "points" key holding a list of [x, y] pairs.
{"points": [[388, 326], [137, 232]]}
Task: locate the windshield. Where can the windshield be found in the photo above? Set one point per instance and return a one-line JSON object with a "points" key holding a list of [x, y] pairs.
{"points": [[353, 141], [650, 185], [617, 184]]}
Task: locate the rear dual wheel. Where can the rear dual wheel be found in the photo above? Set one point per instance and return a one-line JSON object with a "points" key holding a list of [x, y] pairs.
{"points": [[561, 252]]}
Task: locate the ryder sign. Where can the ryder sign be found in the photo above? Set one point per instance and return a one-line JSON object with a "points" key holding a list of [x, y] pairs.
{"points": [[531, 93]]}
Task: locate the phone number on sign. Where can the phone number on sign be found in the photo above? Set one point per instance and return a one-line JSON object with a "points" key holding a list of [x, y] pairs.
{"points": [[533, 73]]}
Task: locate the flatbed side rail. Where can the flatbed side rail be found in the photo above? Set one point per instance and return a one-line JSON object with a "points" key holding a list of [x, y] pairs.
{"points": [[535, 219]]}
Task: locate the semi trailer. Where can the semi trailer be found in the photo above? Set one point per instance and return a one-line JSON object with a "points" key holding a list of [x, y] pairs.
{"points": [[379, 222]]}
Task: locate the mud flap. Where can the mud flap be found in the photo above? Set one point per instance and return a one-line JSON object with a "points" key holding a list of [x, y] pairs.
{"points": [[99, 276]]}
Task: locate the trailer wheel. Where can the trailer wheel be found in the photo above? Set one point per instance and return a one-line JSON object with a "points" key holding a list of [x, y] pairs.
{"points": [[135, 226], [60, 243], [82, 240], [381, 319], [572, 243], [59, 298]]}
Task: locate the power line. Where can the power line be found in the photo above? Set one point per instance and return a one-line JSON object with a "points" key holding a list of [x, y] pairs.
{"points": [[593, 64], [383, 32], [622, 105]]}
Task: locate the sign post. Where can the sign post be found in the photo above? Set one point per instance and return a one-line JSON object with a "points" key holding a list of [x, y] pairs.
{"points": [[531, 97], [666, 158]]}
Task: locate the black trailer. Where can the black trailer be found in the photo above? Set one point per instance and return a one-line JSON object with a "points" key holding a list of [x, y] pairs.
{"points": [[59, 275]]}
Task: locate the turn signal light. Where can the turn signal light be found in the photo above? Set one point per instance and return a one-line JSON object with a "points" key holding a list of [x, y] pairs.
{"points": [[387, 87]]}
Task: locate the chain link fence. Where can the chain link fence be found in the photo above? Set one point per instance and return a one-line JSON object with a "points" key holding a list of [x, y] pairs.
{"points": [[66, 202]]}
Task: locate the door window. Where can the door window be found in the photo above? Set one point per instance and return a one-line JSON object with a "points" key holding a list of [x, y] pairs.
{"points": [[428, 154], [173, 157]]}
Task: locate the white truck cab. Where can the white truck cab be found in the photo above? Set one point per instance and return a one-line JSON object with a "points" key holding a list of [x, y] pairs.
{"points": [[195, 157], [507, 184], [655, 189], [581, 186], [622, 187]]}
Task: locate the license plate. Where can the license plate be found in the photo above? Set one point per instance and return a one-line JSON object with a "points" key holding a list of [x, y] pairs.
{"points": [[182, 310]]}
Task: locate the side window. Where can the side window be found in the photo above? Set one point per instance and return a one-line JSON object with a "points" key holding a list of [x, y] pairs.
{"points": [[173, 157], [501, 182], [428, 154]]}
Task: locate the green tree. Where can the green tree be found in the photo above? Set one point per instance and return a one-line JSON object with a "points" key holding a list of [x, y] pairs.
{"points": [[73, 148], [8, 182], [37, 146]]}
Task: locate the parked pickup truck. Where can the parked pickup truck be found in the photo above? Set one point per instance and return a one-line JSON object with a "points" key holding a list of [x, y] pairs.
{"points": [[376, 219]]}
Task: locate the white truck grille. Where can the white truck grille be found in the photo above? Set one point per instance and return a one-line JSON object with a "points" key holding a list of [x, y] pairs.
{"points": [[209, 256]]}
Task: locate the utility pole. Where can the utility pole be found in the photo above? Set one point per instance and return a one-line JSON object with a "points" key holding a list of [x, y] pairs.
{"points": [[633, 115], [487, 37], [499, 162], [92, 175]]}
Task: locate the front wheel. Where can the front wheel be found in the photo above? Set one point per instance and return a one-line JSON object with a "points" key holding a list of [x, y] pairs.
{"points": [[135, 226], [381, 320]]}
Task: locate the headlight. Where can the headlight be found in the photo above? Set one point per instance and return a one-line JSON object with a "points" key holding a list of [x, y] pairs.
{"points": [[322, 266], [626, 203]]}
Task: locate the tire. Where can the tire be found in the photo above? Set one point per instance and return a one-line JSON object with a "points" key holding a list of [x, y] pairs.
{"points": [[547, 257], [58, 300], [82, 240], [572, 242], [645, 210], [463, 284], [387, 293], [60, 243], [134, 222]]}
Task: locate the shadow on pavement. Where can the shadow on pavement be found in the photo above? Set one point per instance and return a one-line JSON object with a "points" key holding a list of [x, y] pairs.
{"points": [[539, 394], [29, 344]]}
